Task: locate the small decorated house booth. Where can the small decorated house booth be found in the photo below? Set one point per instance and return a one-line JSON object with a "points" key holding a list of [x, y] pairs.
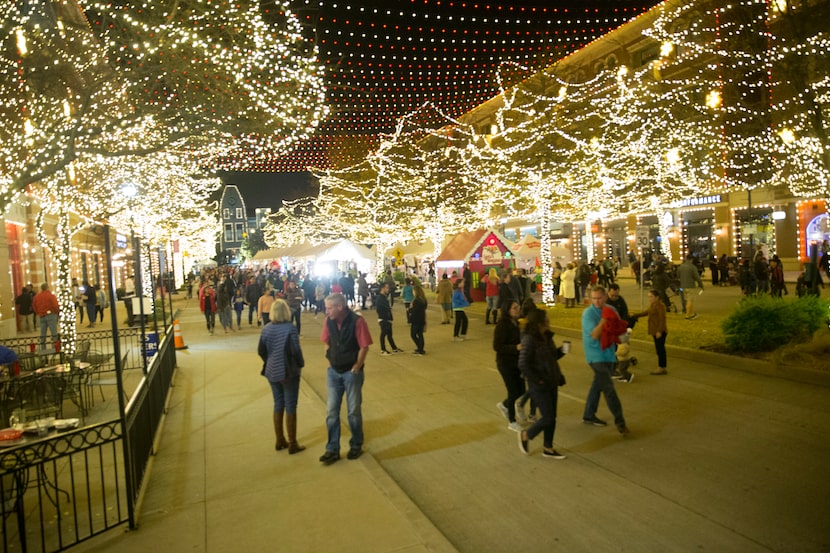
{"points": [[482, 250]]}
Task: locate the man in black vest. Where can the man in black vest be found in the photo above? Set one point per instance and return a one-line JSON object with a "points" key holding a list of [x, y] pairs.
{"points": [[347, 340]]}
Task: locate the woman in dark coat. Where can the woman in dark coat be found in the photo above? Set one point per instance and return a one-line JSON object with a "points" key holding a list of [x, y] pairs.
{"points": [[418, 319], [507, 343], [538, 362]]}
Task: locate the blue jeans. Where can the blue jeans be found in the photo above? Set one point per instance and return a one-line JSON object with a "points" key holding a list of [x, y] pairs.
{"points": [[50, 321], [286, 394], [603, 384], [352, 384]]}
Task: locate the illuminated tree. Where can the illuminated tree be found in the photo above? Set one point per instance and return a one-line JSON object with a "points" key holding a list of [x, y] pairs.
{"points": [[762, 70], [79, 89], [136, 78]]}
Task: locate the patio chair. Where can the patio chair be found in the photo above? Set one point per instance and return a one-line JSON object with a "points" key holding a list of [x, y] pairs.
{"points": [[97, 378], [40, 397]]}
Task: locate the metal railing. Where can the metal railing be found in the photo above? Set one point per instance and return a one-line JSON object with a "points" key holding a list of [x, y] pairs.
{"points": [[58, 491]]}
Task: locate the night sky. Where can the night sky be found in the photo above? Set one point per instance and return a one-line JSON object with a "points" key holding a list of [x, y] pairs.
{"points": [[269, 189]]}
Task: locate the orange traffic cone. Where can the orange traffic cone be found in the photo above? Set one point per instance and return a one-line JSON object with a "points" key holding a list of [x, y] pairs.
{"points": [[178, 341]]}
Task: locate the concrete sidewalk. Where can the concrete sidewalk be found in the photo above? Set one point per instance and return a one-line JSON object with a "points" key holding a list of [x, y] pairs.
{"points": [[217, 484]]}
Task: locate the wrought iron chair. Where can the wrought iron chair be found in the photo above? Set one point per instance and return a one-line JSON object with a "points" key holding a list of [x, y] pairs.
{"points": [[40, 397]]}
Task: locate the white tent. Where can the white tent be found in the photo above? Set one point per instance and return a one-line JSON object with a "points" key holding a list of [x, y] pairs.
{"points": [[345, 250], [528, 247], [266, 255]]}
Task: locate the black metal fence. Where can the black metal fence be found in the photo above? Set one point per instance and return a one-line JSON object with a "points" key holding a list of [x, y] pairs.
{"points": [[99, 344], [63, 489]]}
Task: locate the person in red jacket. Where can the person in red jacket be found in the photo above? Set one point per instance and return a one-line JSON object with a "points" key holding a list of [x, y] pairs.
{"points": [[45, 305], [207, 303]]}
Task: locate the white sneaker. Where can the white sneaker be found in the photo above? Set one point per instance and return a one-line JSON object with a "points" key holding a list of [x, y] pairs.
{"points": [[458, 339], [503, 410], [515, 427], [520, 412]]}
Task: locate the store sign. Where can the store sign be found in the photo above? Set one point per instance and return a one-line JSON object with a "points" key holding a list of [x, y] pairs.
{"points": [[704, 200], [491, 255]]}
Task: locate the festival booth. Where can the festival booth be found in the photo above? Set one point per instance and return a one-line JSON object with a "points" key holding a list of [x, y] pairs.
{"points": [[528, 253], [482, 250], [341, 256], [415, 255]]}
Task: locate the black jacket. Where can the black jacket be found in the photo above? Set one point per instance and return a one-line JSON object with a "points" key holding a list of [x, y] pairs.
{"points": [[538, 361], [383, 308]]}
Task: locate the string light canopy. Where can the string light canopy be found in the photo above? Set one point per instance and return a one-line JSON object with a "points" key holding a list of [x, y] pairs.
{"points": [[85, 78], [384, 59]]}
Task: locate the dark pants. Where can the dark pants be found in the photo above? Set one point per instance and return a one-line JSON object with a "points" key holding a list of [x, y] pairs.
{"points": [[296, 317], [515, 385], [91, 312], [460, 323], [546, 399], [210, 319], [603, 385], [252, 308], [416, 332], [660, 348], [386, 332]]}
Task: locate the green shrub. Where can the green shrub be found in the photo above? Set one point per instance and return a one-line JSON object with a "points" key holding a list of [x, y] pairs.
{"points": [[764, 323]]}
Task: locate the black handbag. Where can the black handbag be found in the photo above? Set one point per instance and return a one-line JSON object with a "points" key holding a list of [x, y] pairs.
{"points": [[292, 367]]}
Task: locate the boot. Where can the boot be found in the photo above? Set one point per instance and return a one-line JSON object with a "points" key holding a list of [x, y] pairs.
{"points": [[291, 427], [487, 317], [281, 443]]}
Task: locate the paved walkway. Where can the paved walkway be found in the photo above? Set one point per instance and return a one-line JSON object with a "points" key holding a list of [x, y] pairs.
{"points": [[718, 459]]}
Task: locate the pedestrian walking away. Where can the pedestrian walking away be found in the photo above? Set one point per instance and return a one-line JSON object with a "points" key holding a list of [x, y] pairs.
{"points": [[282, 357], [444, 298], [347, 340], [689, 281], [90, 297], [46, 307], [538, 361], [491, 295], [602, 362], [418, 319]]}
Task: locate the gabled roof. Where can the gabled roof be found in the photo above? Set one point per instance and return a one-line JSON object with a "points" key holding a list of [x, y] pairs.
{"points": [[463, 245]]}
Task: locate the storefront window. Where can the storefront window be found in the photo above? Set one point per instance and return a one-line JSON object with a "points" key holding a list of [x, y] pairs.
{"points": [[698, 238], [754, 232], [816, 232]]}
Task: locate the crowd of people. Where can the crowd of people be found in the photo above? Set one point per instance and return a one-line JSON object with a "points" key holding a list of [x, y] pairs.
{"points": [[526, 355]]}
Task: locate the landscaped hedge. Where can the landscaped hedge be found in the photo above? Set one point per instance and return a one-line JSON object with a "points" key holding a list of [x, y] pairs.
{"points": [[764, 323]]}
